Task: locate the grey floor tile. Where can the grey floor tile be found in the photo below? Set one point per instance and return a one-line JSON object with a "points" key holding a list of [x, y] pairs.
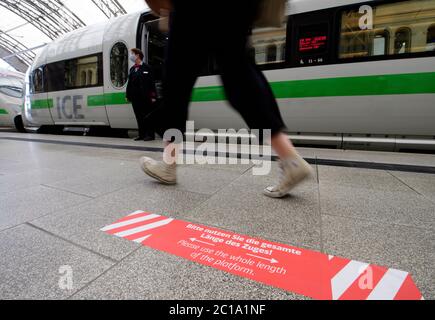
{"points": [[148, 274], [20, 207], [31, 178], [199, 179], [81, 225], [359, 178], [31, 261], [8, 167], [404, 248], [148, 196], [381, 205], [126, 155], [420, 182], [102, 180]]}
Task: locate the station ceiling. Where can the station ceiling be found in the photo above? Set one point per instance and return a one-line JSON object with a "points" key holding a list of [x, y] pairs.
{"points": [[27, 25]]}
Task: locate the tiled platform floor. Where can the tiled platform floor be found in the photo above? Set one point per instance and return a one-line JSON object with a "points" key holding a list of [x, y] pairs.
{"points": [[55, 197]]}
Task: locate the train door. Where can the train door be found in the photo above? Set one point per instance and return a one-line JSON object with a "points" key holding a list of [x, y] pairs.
{"points": [[152, 40]]}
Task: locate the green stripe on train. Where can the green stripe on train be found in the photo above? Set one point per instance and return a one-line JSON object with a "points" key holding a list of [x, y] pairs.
{"points": [[3, 112], [42, 104], [107, 99], [393, 84], [415, 83]]}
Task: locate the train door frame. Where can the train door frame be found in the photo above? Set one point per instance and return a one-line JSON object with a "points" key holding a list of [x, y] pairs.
{"points": [[142, 41]]}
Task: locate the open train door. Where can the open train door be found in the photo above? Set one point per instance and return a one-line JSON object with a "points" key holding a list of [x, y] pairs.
{"points": [[119, 37], [152, 40]]}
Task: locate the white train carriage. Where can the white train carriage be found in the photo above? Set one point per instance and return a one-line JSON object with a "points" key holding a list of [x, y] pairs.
{"points": [[11, 99], [343, 71]]}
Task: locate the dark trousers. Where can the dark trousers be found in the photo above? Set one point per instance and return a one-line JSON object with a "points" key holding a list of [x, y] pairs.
{"points": [[219, 28], [142, 110]]}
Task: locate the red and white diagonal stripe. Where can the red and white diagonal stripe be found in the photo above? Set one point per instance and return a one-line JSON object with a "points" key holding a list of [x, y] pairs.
{"points": [[387, 284], [137, 226]]}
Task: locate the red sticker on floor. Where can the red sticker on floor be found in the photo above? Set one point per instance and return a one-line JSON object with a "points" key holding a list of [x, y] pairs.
{"points": [[305, 272]]}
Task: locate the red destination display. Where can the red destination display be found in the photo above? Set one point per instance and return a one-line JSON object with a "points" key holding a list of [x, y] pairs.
{"points": [[305, 272], [308, 44]]}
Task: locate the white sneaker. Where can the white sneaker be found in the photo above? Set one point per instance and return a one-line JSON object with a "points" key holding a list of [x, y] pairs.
{"points": [[293, 171], [165, 173]]}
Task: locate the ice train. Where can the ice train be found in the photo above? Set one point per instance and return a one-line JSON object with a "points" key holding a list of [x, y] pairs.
{"points": [[345, 73]]}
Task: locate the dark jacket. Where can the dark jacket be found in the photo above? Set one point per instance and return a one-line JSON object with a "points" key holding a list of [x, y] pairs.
{"points": [[141, 84]]}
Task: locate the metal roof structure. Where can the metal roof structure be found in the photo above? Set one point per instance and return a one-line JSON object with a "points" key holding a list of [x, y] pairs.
{"points": [[111, 8], [30, 24]]}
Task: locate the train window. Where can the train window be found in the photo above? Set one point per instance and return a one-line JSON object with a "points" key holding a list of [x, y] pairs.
{"points": [[77, 69], [14, 92], [268, 44], [271, 53], [83, 80], [430, 42], [90, 76], [398, 28], [402, 41], [37, 84], [55, 76], [380, 44], [119, 65], [11, 87]]}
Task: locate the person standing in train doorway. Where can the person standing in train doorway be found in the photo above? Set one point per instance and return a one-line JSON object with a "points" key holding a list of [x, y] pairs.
{"points": [[141, 93], [199, 29]]}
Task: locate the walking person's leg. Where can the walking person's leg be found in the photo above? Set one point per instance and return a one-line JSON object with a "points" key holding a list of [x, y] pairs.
{"points": [[184, 58], [250, 94], [246, 87]]}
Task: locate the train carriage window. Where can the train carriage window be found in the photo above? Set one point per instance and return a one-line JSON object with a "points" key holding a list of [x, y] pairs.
{"points": [[90, 76], [380, 44], [266, 42], [398, 28], [271, 53], [14, 92], [119, 65], [77, 69], [83, 81], [402, 41], [55, 74], [430, 38], [11, 87]]}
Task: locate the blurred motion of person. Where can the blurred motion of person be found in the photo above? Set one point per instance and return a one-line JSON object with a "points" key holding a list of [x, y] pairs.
{"points": [[199, 29], [141, 93]]}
